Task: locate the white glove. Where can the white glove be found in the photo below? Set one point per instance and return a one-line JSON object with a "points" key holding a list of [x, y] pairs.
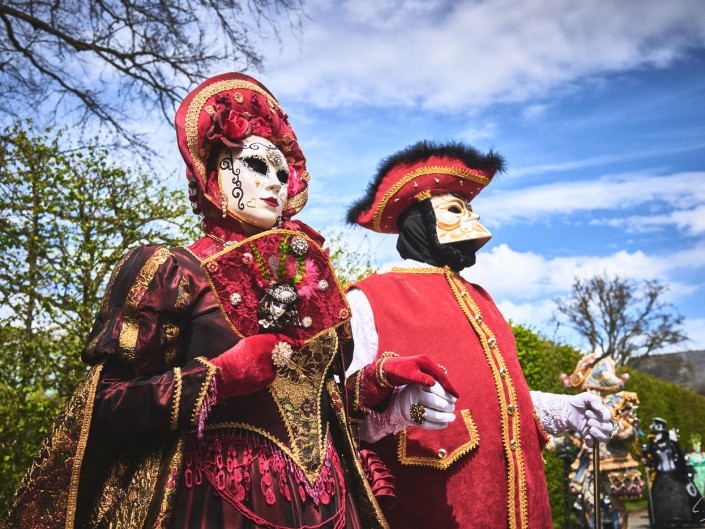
{"points": [[439, 405], [584, 413], [439, 408]]}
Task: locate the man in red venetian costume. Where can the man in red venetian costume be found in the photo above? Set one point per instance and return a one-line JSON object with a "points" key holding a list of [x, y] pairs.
{"points": [[467, 449], [211, 401]]}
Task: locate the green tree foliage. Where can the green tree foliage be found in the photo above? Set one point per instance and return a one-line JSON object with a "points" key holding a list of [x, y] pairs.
{"points": [[351, 263], [67, 216], [543, 361]]}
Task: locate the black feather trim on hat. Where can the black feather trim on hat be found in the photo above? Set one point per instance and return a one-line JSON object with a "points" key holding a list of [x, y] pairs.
{"points": [[423, 150]]}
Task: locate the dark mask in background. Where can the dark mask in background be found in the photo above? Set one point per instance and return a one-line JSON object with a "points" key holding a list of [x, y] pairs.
{"points": [[418, 240]]}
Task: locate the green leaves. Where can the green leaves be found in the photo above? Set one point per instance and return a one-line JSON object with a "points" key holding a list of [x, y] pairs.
{"points": [[68, 214]]}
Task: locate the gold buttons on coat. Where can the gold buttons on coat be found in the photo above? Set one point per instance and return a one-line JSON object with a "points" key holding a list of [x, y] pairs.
{"points": [[513, 444], [511, 409], [492, 341], [503, 372], [442, 453]]}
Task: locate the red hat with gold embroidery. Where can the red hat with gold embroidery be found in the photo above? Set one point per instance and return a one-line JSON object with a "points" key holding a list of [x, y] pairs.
{"points": [[419, 172], [222, 111]]}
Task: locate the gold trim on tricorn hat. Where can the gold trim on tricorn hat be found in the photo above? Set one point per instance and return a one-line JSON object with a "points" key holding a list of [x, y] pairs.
{"points": [[417, 173]]}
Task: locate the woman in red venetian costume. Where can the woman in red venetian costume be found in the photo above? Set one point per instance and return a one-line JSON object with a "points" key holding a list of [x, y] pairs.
{"points": [[212, 401]]}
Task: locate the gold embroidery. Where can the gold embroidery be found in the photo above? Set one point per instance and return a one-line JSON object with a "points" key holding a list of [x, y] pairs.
{"points": [[171, 485], [297, 392], [245, 426], [298, 201], [194, 111], [423, 195], [436, 169], [418, 270], [48, 493], [204, 389], [131, 492], [448, 459], [540, 426], [516, 478], [112, 494], [171, 333], [184, 297], [138, 499], [177, 399], [357, 401], [104, 305], [130, 325], [352, 451], [287, 142], [81, 448]]}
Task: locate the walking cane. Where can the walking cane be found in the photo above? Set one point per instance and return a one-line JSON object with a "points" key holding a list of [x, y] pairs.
{"points": [[596, 484]]}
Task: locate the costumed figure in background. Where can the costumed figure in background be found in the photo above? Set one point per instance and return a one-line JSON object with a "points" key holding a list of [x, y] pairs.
{"points": [[211, 401], [621, 477], [674, 500], [435, 380], [696, 459]]}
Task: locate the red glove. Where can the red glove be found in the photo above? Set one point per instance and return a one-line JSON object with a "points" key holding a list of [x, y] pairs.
{"points": [[377, 380], [420, 369], [247, 366]]}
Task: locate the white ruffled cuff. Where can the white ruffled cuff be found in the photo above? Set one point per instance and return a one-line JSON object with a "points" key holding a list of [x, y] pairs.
{"points": [[389, 422], [551, 409]]}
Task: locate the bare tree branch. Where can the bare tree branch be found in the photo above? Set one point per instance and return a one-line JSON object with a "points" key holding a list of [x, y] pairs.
{"points": [[96, 58], [620, 317]]}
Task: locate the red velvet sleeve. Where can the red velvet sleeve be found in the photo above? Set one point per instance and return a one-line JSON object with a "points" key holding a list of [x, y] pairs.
{"points": [[147, 388]]}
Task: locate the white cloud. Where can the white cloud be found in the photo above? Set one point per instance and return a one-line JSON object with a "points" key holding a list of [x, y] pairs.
{"points": [[534, 314], [611, 192], [451, 55], [473, 134], [524, 284], [519, 276], [532, 112], [691, 221]]}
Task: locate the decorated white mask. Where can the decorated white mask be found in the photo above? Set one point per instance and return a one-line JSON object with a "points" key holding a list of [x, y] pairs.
{"points": [[254, 181], [455, 221]]}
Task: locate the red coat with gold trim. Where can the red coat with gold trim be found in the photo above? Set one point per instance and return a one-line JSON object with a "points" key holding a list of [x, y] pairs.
{"points": [[485, 470]]}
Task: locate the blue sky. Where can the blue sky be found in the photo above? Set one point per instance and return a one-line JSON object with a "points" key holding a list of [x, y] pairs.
{"points": [[598, 107]]}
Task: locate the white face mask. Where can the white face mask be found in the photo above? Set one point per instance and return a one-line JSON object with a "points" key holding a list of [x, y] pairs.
{"points": [[455, 221], [254, 180]]}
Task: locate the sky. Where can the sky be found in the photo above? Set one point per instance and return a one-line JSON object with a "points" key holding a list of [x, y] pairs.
{"points": [[598, 108]]}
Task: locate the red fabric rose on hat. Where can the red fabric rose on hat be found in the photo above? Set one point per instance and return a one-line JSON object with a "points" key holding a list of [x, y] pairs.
{"points": [[294, 184], [227, 126], [260, 127]]}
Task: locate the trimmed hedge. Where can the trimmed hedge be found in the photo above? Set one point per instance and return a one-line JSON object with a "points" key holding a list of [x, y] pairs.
{"points": [[544, 360]]}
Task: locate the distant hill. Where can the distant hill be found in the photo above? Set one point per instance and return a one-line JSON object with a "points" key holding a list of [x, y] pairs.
{"points": [[685, 369]]}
